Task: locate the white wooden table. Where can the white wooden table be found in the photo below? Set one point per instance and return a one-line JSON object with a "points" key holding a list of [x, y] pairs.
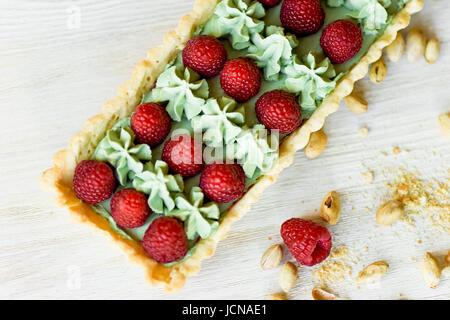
{"points": [[56, 71]]}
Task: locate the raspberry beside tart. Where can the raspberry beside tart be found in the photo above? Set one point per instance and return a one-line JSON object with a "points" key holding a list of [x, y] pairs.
{"points": [[308, 242]]}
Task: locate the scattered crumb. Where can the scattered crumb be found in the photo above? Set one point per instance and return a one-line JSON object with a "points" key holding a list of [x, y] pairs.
{"points": [[363, 132], [396, 150], [339, 252], [402, 189], [368, 176], [422, 198], [419, 241], [336, 268], [269, 238], [331, 272], [384, 154], [409, 220]]}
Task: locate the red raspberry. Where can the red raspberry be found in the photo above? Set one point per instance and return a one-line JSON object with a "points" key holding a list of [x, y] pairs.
{"points": [[278, 110], [151, 124], [240, 79], [270, 3], [308, 242], [93, 181], [205, 55], [303, 17], [165, 240], [341, 41], [223, 182], [183, 155], [129, 208]]}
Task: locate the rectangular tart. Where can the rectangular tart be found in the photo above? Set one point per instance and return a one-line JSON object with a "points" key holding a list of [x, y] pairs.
{"points": [[58, 179]]}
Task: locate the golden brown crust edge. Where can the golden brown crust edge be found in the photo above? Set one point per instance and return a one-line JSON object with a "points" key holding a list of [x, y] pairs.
{"points": [[59, 178]]}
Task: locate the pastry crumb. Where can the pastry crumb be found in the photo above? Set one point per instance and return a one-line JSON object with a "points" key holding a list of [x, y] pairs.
{"points": [[331, 272], [396, 150], [422, 198], [363, 132], [402, 189], [337, 268], [368, 176], [339, 252]]}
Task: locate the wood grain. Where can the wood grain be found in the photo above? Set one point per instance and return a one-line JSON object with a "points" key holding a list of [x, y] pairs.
{"points": [[56, 74]]}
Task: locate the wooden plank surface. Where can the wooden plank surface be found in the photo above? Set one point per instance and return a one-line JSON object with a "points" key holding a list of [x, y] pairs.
{"points": [[57, 70]]}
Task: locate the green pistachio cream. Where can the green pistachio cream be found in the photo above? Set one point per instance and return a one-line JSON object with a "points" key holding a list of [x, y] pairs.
{"points": [[287, 62]]}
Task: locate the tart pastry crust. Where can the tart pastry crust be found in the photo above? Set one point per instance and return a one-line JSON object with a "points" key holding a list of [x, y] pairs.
{"points": [[58, 179]]}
